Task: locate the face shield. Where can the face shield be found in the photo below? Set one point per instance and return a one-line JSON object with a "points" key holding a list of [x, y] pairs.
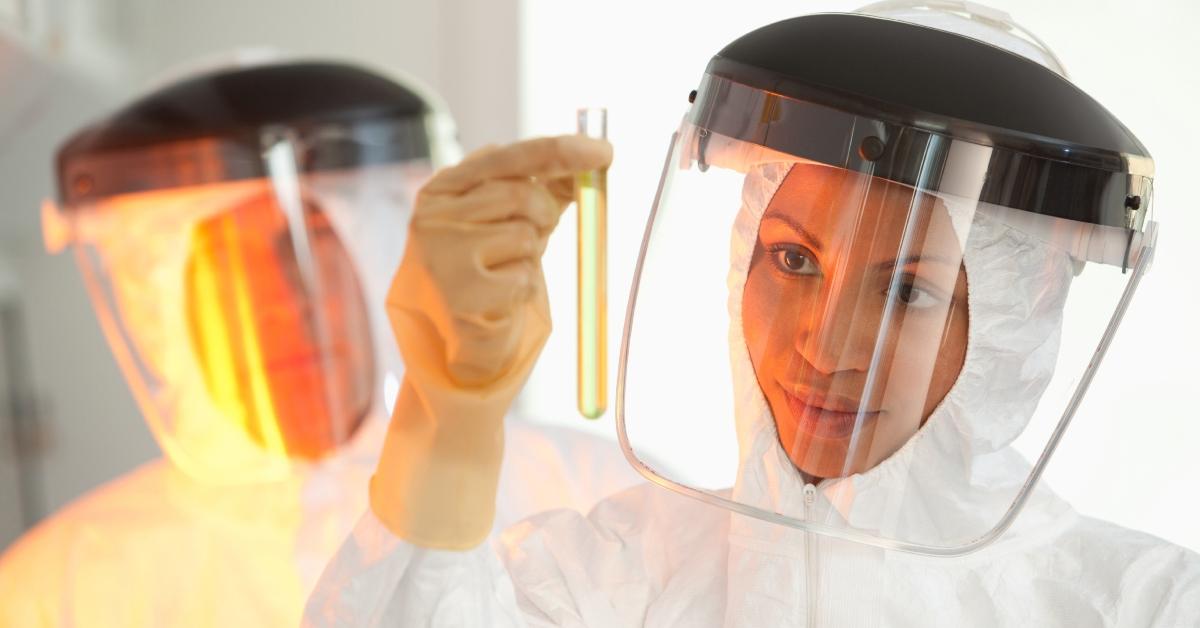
{"points": [[230, 252], [850, 314]]}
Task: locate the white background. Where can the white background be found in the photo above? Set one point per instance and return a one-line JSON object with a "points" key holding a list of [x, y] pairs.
{"points": [[512, 68]]}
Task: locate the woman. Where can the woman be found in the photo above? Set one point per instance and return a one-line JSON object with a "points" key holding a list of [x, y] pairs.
{"points": [[909, 225]]}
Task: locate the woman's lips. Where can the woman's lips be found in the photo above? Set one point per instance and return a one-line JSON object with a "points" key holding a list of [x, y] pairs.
{"points": [[814, 418]]}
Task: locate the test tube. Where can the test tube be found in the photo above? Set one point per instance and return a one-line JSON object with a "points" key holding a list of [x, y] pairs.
{"points": [[591, 202]]}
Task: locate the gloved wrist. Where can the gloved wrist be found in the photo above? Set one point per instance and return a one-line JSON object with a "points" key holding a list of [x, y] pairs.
{"points": [[435, 485], [436, 481]]}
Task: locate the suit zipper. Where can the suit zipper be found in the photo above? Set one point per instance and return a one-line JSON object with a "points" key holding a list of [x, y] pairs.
{"points": [[810, 559]]}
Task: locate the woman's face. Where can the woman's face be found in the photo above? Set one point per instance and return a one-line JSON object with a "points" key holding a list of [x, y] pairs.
{"points": [[855, 316]]}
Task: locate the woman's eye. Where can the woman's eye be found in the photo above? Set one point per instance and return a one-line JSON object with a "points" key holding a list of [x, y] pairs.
{"points": [[794, 262], [914, 297]]}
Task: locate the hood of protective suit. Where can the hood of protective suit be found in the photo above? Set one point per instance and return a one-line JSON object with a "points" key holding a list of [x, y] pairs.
{"points": [[961, 460]]}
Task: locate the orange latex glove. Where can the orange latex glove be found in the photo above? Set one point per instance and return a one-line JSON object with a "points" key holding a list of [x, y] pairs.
{"points": [[469, 309]]}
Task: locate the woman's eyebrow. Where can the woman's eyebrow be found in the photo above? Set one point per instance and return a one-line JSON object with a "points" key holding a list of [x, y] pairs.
{"points": [[915, 259], [816, 243]]}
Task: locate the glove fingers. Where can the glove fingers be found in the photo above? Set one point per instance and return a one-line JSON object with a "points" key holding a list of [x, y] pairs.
{"points": [[501, 200], [485, 269], [545, 158], [473, 263], [484, 345], [510, 246]]}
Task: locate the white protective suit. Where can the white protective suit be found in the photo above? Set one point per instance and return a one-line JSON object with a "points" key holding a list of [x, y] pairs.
{"points": [[156, 548], [650, 557]]}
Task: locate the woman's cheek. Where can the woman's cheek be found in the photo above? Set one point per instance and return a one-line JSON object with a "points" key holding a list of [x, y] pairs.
{"points": [[752, 323]]}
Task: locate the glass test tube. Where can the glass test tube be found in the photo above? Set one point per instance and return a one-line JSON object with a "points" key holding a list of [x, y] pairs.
{"points": [[591, 201]]}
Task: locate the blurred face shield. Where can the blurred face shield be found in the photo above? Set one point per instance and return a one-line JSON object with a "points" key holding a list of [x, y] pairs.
{"points": [[845, 313], [236, 276]]}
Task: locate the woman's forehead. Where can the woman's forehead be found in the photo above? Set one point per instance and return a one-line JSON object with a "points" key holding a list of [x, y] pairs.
{"points": [[834, 203]]}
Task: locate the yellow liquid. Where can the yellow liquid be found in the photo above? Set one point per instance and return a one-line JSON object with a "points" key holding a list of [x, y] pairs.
{"points": [[591, 191]]}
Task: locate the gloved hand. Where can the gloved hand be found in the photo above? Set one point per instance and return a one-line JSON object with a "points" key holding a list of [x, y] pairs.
{"points": [[469, 309]]}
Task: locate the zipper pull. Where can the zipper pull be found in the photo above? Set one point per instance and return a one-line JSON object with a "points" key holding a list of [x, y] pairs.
{"points": [[810, 495]]}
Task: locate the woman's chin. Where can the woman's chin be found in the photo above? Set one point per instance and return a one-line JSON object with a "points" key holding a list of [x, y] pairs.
{"points": [[814, 473], [816, 458]]}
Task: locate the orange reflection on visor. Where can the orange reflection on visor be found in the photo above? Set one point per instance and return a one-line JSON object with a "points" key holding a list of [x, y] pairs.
{"points": [[287, 358]]}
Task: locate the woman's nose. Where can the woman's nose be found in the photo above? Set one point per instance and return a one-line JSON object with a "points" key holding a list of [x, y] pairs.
{"points": [[837, 332]]}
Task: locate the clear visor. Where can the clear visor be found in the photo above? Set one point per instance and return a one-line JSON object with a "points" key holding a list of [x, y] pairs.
{"points": [[816, 341], [244, 314]]}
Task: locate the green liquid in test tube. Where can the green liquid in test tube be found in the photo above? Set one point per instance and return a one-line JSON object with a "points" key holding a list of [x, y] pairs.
{"points": [[591, 201]]}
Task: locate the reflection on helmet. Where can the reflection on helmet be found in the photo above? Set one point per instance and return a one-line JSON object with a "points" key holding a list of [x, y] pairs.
{"points": [[267, 362]]}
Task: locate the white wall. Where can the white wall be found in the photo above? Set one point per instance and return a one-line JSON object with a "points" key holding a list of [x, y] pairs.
{"points": [[464, 49], [93, 426], [1129, 456], [11, 518]]}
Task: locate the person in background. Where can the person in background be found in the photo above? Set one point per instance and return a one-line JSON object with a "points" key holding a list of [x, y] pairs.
{"points": [[236, 229]]}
